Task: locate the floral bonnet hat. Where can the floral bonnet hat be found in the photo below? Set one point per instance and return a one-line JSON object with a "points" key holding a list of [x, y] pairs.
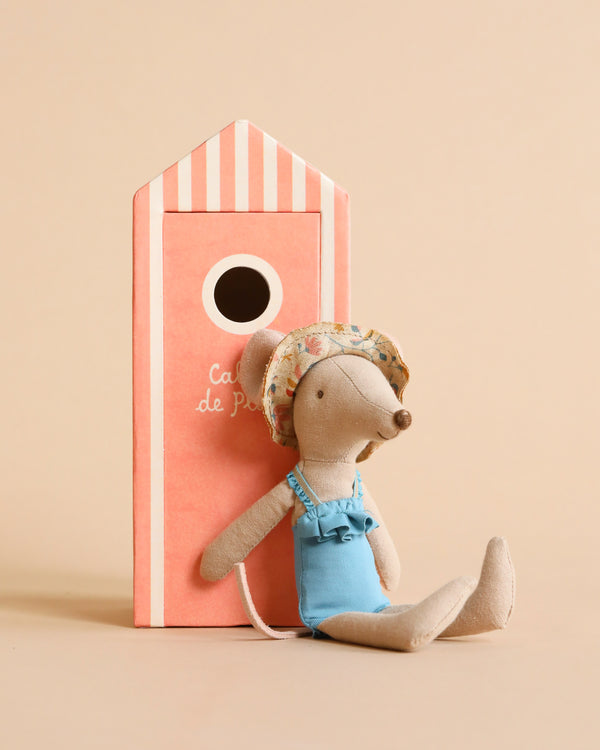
{"points": [[304, 347]]}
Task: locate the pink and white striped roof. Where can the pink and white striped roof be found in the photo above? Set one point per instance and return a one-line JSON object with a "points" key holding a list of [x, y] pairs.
{"points": [[242, 168]]}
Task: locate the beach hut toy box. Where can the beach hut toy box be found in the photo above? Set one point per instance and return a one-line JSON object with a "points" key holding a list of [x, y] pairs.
{"points": [[240, 234]]}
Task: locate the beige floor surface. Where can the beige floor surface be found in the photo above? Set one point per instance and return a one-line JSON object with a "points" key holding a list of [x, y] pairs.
{"points": [[76, 674]]}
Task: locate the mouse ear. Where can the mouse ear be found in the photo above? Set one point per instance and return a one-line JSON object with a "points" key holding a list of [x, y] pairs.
{"points": [[255, 359]]}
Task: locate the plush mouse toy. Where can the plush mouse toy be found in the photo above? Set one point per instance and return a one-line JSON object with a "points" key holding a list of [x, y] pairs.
{"points": [[334, 391]]}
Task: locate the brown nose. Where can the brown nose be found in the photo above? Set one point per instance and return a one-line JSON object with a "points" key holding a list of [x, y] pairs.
{"points": [[403, 419]]}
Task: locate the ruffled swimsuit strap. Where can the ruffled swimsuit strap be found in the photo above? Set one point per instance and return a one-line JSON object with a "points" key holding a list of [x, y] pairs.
{"points": [[302, 488], [358, 489]]}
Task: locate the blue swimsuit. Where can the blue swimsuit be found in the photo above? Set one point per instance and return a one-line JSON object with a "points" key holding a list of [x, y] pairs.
{"points": [[335, 567]]}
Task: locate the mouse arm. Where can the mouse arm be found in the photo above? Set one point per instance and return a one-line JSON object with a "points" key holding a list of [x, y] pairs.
{"points": [[242, 535], [384, 551]]}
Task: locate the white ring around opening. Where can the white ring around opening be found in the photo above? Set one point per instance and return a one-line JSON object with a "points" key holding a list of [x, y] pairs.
{"points": [[270, 275]]}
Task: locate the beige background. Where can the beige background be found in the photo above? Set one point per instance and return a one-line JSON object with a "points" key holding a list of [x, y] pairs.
{"points": [[467, 135]]}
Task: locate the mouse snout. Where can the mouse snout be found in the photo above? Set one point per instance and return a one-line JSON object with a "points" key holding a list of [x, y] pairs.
{"points": [[403, 419]]}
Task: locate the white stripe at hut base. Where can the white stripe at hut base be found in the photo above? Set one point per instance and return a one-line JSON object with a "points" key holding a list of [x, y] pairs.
{"points": [[269, 173], [157, 557], [213, 173], [241, 166], [327, 249]]}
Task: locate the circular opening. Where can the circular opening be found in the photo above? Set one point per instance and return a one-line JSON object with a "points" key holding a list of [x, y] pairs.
{"points": [[242, 294]]}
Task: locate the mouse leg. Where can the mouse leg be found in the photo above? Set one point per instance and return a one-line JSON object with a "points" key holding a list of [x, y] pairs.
{"points": [[405, 629], [490, 606]]}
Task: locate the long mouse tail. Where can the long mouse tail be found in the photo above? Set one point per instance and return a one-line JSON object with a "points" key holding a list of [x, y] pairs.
{"points": [[253, 616]]}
